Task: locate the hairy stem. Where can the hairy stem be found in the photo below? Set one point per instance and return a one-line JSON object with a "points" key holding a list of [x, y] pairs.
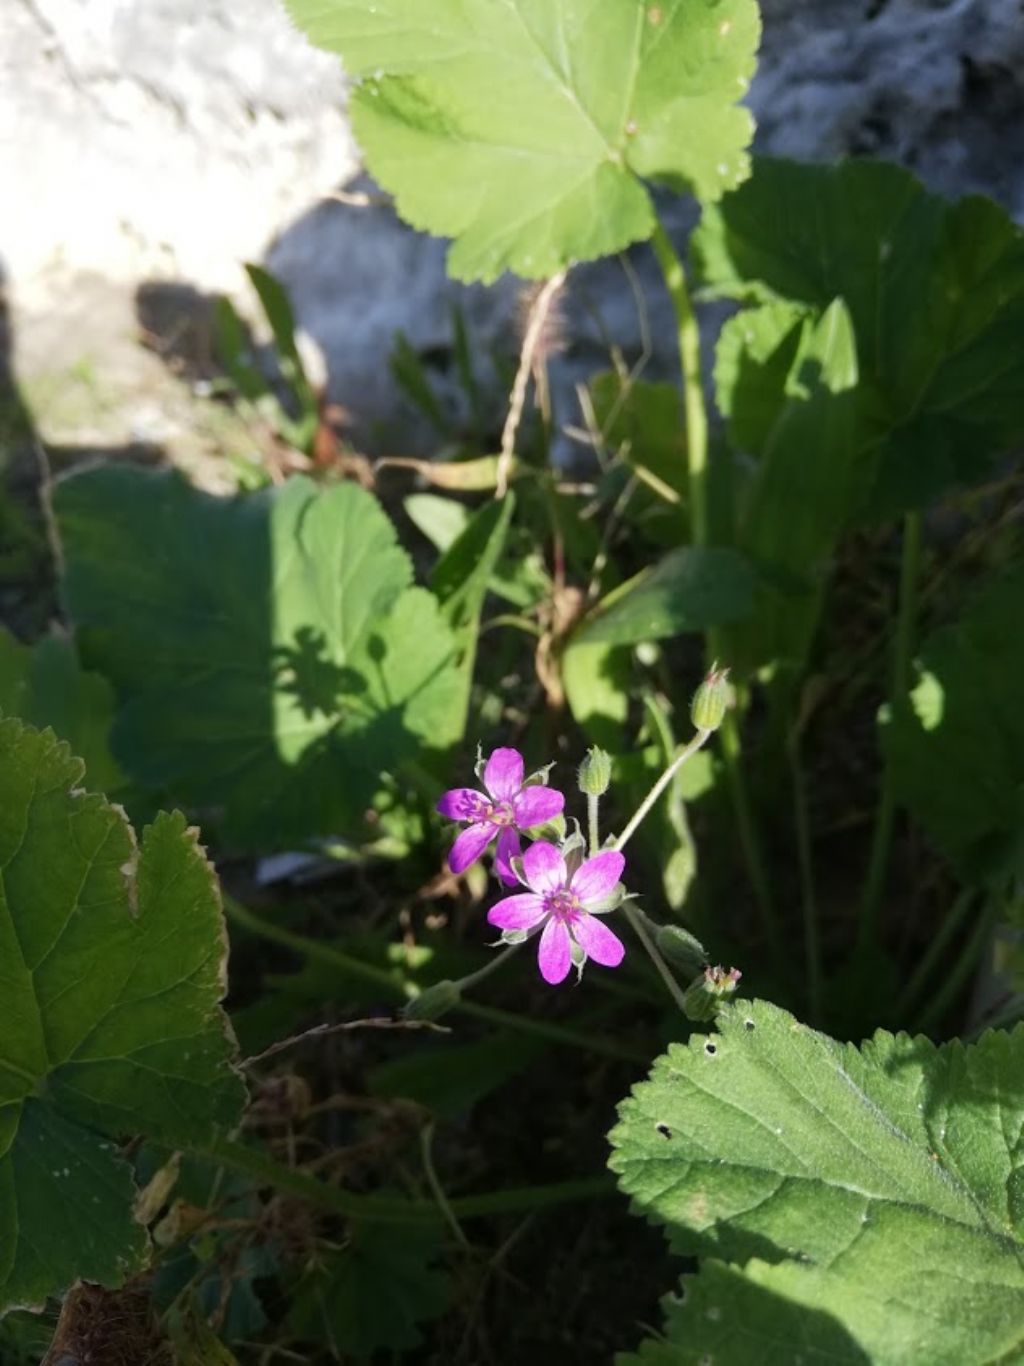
{"points": [[659, 787], [596, 1042], [266, 1170], [696, 423], [960, 970], [636, 920], [808, 899], [950, 924], [885, 816], [695, 412], [593, 829]]}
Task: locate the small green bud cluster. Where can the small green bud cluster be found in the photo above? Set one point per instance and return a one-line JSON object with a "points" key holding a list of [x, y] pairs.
{"points": [[711, 700], [680, 948], [707, 993]]}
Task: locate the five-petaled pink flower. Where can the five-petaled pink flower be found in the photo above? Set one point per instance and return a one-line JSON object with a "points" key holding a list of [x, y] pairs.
{"points": [[505, 809], [565, 906]]}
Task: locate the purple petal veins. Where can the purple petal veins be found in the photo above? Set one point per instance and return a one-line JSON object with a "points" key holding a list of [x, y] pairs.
{"points": [[554, 955], [503, 776], [598, 877], [504, 809]]}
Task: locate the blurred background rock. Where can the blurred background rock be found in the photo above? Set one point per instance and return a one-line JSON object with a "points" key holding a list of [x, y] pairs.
{"points": [[149, 147]]}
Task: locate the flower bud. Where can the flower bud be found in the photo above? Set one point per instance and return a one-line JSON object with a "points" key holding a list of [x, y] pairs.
{"points": [[706, 994], [433, 1001], [680, 948], [711, 700], [595, 772]]}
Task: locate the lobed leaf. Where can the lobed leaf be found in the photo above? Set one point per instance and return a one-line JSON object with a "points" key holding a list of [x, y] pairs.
{"points": [[259, 645], [935, 292], [111, 970], [524, 129]]}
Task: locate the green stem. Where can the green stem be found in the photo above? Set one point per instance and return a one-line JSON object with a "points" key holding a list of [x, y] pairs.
{"points": [[696, 423], [695, 412], [640, 929], [933, 954], [808, 899], [354, 967], [264, 1169], [961, 969], [593, 829], [885, 818], [750, 844], [700, 738]]}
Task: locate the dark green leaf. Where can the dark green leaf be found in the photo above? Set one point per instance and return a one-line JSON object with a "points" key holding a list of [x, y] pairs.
{"points": [[688, 590], [956, 750], [935, 291], [111, 969], [260, 645]]}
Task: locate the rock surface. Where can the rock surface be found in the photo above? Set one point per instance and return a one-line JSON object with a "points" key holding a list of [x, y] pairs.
{"points": [[173, 139]]}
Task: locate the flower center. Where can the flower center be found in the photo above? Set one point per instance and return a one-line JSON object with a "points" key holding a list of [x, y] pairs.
{"points": [[500, 813], [564, 905]]}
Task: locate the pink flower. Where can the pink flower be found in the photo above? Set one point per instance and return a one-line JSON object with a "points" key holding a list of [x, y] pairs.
{"points": [[560, 903], [505, 809]]}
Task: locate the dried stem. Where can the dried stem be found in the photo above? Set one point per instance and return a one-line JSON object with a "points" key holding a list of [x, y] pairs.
{"points": [[534, 332]]}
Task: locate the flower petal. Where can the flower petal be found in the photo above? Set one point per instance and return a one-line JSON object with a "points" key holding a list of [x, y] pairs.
{"points": [[600, 942], [544, 868], [554, 956], [507, 849], [520, 912], [596, 878], [462, 804], [469, 846], [537, 804], [503, 776]]}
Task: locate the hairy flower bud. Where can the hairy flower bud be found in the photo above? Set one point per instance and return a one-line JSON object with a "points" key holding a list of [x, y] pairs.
{"points": [[433, 1001], [711, 700], [705, 994], [680, 948], [595, 772]]}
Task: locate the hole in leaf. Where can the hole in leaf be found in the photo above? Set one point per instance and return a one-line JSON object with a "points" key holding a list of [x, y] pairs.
{"points": [[749, 1024], [664, 1130], [710, 1049]]}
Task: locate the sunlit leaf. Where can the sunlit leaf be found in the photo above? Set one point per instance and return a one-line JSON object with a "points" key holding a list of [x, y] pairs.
{"points": [[524, 130], [867, 1200]]}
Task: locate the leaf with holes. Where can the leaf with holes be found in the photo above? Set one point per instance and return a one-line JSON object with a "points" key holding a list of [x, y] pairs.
{"points": [[866, 1202], [260, 645], [111, 970], [525, 129]]}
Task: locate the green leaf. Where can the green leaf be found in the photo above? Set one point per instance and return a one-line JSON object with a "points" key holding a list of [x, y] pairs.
{"points": [[524, 129], [868, 1199], [278, 310], [935, 291], [460, 581], [441, 520], [46, 686], [598, 680], [111, 970], [956, 750], [260, 645], [373, 1295], [690, 589], [642, 423], [753, 362]]}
